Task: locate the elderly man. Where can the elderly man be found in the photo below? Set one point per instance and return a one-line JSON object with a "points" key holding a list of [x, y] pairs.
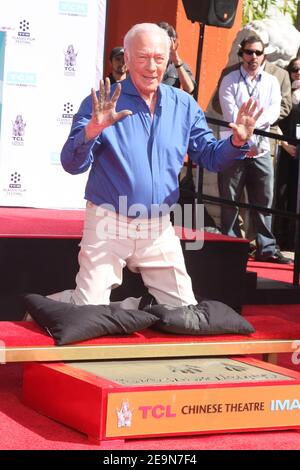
{"points": [[134, 139]]}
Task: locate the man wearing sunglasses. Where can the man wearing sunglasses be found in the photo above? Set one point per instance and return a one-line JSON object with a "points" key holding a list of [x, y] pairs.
{"points": [[255, 172]]}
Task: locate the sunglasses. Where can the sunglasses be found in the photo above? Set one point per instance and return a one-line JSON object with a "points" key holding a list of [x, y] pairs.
{"points": [[295, 70], [250, 52]]}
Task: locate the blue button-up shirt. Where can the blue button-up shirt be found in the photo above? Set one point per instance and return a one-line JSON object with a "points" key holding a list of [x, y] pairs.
{"points": [[141, 155]]}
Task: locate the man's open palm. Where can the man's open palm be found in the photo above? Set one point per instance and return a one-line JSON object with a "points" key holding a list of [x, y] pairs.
{"points": [[245, 122], [104, 112]]}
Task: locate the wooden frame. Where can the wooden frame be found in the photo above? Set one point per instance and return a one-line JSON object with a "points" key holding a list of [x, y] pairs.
{"points": [[269, 348]]}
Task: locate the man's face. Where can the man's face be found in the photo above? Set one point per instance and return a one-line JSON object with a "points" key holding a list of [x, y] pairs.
{"points": [[251, 58], [118, 64], [146, 60]]}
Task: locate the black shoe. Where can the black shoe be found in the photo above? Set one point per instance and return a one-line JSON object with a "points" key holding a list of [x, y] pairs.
{"points": [[276, 258]]}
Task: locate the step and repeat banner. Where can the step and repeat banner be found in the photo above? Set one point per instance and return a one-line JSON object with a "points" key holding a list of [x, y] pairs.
{"points": [[51, 54]]}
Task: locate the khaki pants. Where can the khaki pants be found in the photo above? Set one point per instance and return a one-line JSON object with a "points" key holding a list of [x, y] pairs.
{"points": [[149, 246]]}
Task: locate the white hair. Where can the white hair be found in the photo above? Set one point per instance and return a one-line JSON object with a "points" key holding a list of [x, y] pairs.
{"points": [[146, 28]]}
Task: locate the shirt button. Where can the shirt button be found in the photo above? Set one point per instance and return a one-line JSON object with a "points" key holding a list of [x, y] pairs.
{"points": [[138, 227]]}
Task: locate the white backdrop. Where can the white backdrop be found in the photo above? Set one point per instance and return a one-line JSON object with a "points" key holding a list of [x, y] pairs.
{"points": [[53, 56]]}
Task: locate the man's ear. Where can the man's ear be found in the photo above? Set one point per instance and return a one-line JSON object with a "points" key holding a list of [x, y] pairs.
{"points": [[126, 59]]}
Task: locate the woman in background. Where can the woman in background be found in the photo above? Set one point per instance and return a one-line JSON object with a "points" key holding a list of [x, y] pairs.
{"points": [[287, 170]]}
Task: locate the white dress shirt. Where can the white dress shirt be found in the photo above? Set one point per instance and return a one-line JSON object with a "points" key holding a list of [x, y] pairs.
{"points": [[237, 87]]}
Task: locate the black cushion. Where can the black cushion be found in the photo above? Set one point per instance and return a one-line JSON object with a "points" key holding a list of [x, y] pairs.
{"points": [[209, 317], [69, 323]]}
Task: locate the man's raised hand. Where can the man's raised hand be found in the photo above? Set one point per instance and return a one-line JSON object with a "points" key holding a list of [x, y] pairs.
{"points": [[104, 109], [244, 125]]}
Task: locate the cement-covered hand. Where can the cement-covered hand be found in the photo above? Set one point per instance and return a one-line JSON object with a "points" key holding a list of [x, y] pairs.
{"points": [[104, 109]]}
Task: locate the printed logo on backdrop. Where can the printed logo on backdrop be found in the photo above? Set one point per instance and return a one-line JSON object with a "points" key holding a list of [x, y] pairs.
{"points": [[24, 79], [18, 130], [70, 60], [72, 8], [15, 187], [124, 415], [24, 35], [66, 118]]}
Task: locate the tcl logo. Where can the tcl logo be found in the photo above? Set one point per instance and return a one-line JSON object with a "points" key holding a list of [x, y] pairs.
{"points": [[157, 411]]}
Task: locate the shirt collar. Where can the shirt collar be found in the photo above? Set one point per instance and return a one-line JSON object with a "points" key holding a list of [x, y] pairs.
{"points": [[257, 76], [129, 89]]}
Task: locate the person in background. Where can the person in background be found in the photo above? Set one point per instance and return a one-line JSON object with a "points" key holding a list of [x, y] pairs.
{"points": [[118, 67], [285, 107], [278, 72], [133, 138], [255, 172], [287, 170], [178, 73]]}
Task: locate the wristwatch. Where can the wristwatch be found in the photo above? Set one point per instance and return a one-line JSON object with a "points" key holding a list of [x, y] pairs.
{"points": [[178, 65]]}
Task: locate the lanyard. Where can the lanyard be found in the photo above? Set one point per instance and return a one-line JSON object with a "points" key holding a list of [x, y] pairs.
{"points": [[254, 89]]}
